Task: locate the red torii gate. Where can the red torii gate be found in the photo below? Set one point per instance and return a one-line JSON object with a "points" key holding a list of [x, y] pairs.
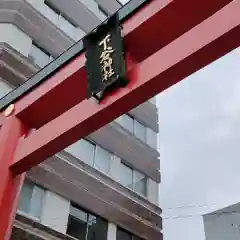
{"points": [[166, 41]]}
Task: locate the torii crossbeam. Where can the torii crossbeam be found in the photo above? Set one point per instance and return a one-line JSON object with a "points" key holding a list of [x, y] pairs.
{"points": [[166, 41]]}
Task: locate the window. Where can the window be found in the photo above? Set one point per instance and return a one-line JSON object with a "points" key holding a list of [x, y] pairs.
{"points": [[133, 179], [77, 223], [140, 131], [40, 57], [85, 226], [84, 150], [140, 183], [91, 154], [125, 235], [133, 126], [31, 200], [127, 122], [102, 160], [126, 176]]}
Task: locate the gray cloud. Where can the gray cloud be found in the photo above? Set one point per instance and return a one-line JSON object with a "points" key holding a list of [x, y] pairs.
{"points": [[199, 145]]}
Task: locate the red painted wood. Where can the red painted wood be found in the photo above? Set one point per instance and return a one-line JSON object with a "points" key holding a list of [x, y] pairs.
{"points": [[162, 21], [187, 54], [10, 185], [147, 31]]}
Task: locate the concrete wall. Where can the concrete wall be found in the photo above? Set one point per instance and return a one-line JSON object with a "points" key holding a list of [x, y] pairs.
{"points": [[15, 38], [55, 212], [222, 226]]}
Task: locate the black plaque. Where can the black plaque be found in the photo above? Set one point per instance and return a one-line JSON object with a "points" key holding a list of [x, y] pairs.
{"points": [[105, 63]]}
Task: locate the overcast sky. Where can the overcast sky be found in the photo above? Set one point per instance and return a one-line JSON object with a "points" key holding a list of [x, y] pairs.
{"points": [[200, 146]]}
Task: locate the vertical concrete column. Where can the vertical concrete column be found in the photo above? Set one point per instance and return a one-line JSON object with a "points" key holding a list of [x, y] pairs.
{"points": [[112, 231]]}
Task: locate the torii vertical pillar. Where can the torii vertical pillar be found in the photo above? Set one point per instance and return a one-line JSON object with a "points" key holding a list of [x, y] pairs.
{"points": [[10, 134]]}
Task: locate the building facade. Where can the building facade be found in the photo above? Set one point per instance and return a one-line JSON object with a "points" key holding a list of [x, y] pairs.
{"points": [[103, 187], [223, 224]]}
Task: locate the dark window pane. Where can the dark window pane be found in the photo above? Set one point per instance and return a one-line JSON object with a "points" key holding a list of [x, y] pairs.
{"points": [[123, 235], [77, 223], [97, 228], [76, 228], [85, 226], [137, 238]]}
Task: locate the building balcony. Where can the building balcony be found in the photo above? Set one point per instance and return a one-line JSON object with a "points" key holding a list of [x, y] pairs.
{"points": [[27, 228], [128, 147], [96, 192]]}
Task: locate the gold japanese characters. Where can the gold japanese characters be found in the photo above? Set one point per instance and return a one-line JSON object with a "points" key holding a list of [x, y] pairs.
{"points": [[106, 60]]}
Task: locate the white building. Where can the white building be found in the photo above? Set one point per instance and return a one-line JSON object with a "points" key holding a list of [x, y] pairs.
{"points": [[223, 224]]}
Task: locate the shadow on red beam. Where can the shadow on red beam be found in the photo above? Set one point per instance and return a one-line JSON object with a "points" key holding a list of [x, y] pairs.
{"points": [[162, 21], [203, 44], [1, 120], [151, 28]]}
